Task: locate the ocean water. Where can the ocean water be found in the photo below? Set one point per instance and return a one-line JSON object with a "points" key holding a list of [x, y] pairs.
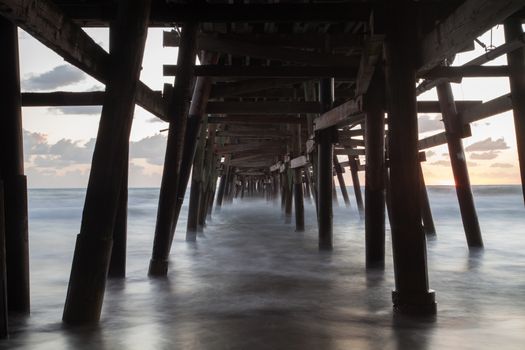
{"points": [[252, 282]]}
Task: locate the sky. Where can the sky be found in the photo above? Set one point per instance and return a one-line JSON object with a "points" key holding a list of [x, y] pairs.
{"points": [[59, 142]]}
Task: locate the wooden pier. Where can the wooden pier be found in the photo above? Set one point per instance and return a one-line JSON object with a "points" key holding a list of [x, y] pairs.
{"points": [[286, 97]]}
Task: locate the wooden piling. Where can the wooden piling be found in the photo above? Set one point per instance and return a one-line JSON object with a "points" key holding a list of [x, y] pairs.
{"points": [[411, 294], [325, 156], [3, 272], [12, 172], [222, 183], [93, 247], [352, 161], [298, 183], [289, 194], [426, 213], [516, 62], [117, 263], [177, 112], [458, 161], [375, 172], [341, 180]]}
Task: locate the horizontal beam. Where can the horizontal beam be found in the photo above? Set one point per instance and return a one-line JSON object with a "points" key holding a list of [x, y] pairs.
{"points": [[433, 106], [466, 71], [440, 139], [298, 162], [340, 115], [470, 19], [254, 134], [242, 147], [251, 86], [48, 24], [256, 119], [488, 109], [267, 72], [298, 40], [164, 13], [262, 107], [245, 47], [349, 151]]}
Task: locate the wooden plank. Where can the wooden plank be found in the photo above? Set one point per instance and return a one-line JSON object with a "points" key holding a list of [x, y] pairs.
{"points": [[496, 106], [254, 134], [246, 47], [344, 113], [256, 119], [262, 107], [433, 106], [352, 143], [267, 71], [440, 138], [48, 24], [275, 166], [242, 147], [251, 86], [298, 40], [298, 162], [471, 19], [166, 13], [349, 151], [372, 53], [467, 71]]}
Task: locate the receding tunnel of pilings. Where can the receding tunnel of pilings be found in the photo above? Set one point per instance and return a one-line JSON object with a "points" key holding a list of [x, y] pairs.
{"points": [[283, 100]]}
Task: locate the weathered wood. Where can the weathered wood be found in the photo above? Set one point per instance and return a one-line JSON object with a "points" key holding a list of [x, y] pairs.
{"points": [[222, 183], [468, 72], [343, 114], [221, 71], [298, 162], [487, 109], [441, 138], [262, 108], [48, 24], [354, 167], [93, 248], [4, 324], [374, 172], [433, 106], [251, 86], [298, 40], [178, 110], [411, 294], [459, 166], [471, 19], [256, 119], [372, 53], [325, 154], [298, 181], [12, 172], [426, 213], [516, 60], [235, 46], [349, 151], [241, 147], [341, 180]]}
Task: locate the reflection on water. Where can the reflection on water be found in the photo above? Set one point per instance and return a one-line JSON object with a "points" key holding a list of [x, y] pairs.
{"points": [[252, 282]]}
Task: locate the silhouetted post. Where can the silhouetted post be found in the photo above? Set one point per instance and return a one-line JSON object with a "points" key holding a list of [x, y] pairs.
{"points": [[426, 213], [341, 180], [375, 172], [3, 272], [222, 182], [334, 192], [352, 160], [93, 247], [196, 185], [325, 155], [298, 183], [177, 112], [453, 129], [12, 172], [289, 194], [412, 294], [117, 263], [208, 176], [516, 63]]}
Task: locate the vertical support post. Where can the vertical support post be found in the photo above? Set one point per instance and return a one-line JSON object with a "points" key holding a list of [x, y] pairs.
{"points": [[341, 180], [177, 112], [426, 213], [374, 172], [354, 171], [289, 194], [196, 186], [117, 264], [516, 63], [222, 182], [93, 247], [325, 156], [12, 172], [3, 272], [298, 184], [459, 165], [411, 294]]}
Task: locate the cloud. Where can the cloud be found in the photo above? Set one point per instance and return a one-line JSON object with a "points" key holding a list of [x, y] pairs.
{"points": [[502, 165], [151, 148], [484, 155], [427, 123], [441, 163], [57, 77], [472, 164], [35, 143], [86, 110], [487, 145], [430, 154]]}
